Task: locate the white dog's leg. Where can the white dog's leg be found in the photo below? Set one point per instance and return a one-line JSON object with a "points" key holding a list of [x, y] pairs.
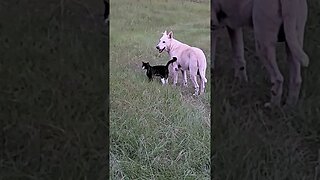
{"points": [[175, 77], [267, 54], [203, 81], [196, 86], [166, 81], [266, 30], [185, 81], [295, 79], [268, 57], [295, 66], [193, 76], [236, 37]]}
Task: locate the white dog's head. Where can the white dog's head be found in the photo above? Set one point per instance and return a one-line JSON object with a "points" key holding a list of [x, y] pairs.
{"points": [[165, 41]]}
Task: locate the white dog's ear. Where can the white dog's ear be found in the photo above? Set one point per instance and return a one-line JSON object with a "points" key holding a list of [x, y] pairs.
{"points": [[165, 32], [170, 35]]}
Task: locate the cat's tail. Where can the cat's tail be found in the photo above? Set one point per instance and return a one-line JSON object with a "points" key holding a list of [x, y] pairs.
{"points": [[174, 59]]}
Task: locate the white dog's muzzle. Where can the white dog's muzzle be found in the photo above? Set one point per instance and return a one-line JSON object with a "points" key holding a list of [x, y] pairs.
{"points": [[160, 50]]}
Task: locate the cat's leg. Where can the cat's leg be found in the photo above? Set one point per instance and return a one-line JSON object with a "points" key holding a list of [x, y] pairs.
{"points": [[163, 81], [150, 78], [166, 77], [149, 74]]}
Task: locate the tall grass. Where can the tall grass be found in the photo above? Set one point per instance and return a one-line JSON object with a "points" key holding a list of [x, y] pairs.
{"points": [[53, 59], [156, 132]]}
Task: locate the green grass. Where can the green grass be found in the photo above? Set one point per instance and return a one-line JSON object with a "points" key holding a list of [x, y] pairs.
{"points": [[255, 143], [53, 58], [156, 132]]}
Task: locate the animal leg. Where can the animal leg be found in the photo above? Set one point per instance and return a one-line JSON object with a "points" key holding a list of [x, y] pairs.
{"points": [[185, 82], [266, 23], [295, 79], [268, 56], [295, 64], [163, 81], [236, 37], [294, 15], [193, 76], [175, 77]]}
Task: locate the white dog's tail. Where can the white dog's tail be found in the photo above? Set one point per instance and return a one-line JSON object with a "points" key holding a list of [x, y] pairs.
{"points": [[289, 14], [202, 65], [202, 73]]}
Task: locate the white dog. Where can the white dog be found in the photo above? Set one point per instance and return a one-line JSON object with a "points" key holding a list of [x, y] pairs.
{"points": [[272, 21], [188, 58]]}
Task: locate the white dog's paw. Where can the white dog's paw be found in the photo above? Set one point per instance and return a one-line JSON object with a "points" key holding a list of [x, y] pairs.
{"points": [[196, 93]]}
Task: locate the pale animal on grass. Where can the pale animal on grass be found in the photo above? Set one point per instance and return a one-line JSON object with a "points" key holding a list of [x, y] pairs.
{"points": [[272, 21], [188, 58]]}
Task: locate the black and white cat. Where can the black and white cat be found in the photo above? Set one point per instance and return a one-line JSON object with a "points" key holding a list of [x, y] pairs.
{"points": [[159, 70]]}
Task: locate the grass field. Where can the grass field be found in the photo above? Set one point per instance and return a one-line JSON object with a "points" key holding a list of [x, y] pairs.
{"points": [[255, 143], [53, 64], [156, 132]]}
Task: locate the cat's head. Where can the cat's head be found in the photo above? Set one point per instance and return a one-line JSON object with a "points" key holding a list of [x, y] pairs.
{"points": [[145, 65]]}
